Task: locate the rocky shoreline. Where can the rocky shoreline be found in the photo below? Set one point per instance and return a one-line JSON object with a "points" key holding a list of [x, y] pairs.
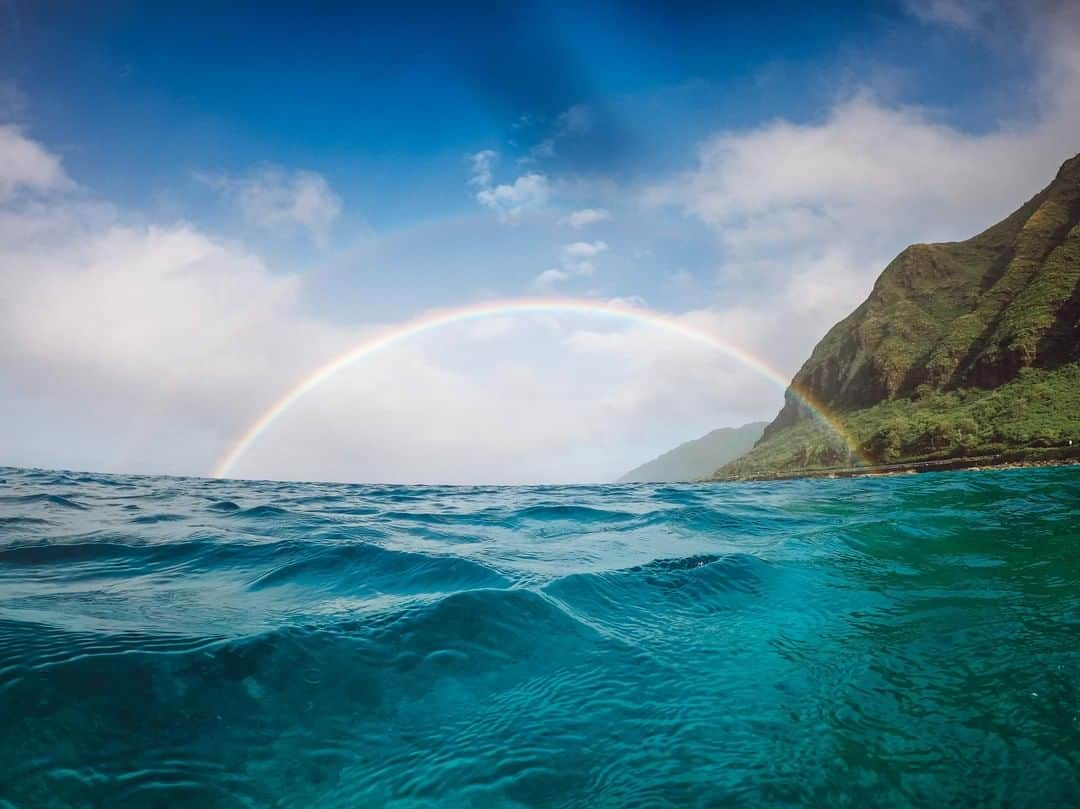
{"points": [[1056, 456]]}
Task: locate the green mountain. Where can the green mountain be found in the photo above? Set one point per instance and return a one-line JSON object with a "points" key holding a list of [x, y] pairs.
{"points": [[698, 458], [962, 349]]}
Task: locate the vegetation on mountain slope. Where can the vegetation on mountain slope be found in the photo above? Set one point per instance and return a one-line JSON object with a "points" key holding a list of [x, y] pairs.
{"points": [[961, 348], [1038, 409]]}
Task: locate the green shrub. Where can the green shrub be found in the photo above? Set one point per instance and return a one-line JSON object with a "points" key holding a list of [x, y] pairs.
{"points": [[1038, 409]]}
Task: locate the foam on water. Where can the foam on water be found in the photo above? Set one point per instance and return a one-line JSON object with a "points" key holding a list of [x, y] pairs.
{"points": [[906, 641]]}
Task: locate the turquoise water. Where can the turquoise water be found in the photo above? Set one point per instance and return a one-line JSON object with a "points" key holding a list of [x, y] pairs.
{"points": [[908, 641]]}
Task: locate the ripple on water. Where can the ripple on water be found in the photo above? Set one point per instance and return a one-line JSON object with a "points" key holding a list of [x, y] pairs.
{"points": [[906, 642]]}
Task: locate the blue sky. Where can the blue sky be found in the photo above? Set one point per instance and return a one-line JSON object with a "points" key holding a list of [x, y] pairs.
{"points": [[381, 100], [753, 165]]}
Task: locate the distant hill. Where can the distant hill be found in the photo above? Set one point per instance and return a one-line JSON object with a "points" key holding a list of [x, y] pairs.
{"points": [[698, 458], [961, 348]]}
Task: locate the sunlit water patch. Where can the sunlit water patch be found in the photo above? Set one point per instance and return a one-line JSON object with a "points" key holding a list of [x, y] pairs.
{"points": [[910, 641]]}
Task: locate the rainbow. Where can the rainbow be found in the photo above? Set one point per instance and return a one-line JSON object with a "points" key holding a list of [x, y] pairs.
{"points": [[511, 306]]}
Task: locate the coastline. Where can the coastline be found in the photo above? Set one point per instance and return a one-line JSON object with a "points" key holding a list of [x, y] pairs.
{"points": [[1011, 459]]}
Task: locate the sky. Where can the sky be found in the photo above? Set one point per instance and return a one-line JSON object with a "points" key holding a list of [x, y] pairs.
{"points": [[201, 206]]}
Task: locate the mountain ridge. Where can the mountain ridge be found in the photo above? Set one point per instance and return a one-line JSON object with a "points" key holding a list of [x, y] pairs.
{"points": [[952, 320], [697, 458]]}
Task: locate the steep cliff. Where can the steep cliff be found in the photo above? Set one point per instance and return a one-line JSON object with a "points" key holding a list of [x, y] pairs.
{"points": [[945, 323]]}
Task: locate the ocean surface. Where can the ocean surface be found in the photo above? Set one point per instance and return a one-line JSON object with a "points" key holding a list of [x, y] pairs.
{"points": [[904, 641]]}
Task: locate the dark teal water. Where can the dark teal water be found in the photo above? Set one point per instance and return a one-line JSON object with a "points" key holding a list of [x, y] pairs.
{"points": [[909, 641]]}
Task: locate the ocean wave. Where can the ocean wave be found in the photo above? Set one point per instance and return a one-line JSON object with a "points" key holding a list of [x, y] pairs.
{"points": [[224, 505], [43, 500], [224, 643], [152, 519], [366, 567], [640, 602], [23, 522], [570, 513]]}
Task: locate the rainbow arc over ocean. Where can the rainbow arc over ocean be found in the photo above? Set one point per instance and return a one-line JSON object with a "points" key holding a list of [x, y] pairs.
{"points": [[440, 318]]}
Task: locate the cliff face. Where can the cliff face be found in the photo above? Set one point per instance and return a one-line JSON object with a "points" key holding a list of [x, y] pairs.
{"points": [[962, 350], [969, 314]]}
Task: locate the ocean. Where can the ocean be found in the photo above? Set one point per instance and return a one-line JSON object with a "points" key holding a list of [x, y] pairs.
{"points": [[899, 641]]}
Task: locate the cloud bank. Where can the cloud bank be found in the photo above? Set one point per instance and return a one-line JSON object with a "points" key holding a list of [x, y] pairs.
{"points": [[510, 201], [272, 199], [808, 214], [26, 166], [134, 346]]}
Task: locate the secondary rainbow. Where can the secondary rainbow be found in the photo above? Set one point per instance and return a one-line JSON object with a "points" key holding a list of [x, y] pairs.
{"points": [[509, 306]]}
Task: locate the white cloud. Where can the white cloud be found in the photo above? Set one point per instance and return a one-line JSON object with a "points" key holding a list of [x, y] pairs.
{"points": [[549, 277], [586, 217], [149, 347], [273, 199], [572, 122], [26, 166], [128, 346], [528, 192], [541, 151], [865, 165], [664, 362], [140, 314], [629, 301], [812, 212], [574, 261], [965, 15], [481, 165], [509, 200], [577, 120], [585, 249]]}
